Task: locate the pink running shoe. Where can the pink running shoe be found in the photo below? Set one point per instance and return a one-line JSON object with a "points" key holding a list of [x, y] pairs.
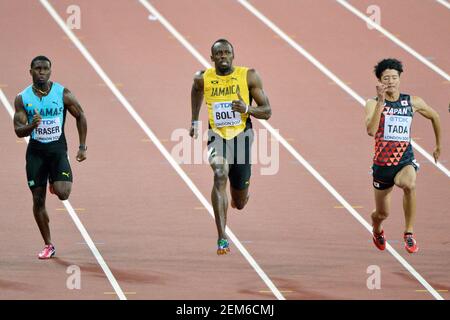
{"points": [[48, 252]]}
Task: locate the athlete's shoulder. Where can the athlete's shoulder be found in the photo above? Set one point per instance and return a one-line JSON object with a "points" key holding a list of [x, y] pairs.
{"points": [[253, 78], [68, 97], [24, 96], [417, 102], [199, 73], [252, 72], [198, 80], [66, 92], [18, 101], [198, 76]]}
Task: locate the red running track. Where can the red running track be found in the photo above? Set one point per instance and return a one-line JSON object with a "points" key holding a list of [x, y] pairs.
{"points": [[150, 228]]}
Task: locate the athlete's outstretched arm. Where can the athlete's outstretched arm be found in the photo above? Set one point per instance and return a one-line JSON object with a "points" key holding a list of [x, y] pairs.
{"points": [[263, 109], [74, 107], [20, 120], [196, 102], [421, 107]]}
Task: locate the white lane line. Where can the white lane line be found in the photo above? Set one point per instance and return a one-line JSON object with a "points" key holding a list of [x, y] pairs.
{"points": [[77, 222], [394, 39], [444, 3], [305, 163], [157, 143], [8, 107], [330, 75]]}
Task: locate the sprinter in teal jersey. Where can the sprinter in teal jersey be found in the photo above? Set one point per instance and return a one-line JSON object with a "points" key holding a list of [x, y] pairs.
{"points": [[40, 112]]}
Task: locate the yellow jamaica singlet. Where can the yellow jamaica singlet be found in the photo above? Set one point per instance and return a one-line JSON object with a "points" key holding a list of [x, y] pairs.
{"points": [[219, 92]]}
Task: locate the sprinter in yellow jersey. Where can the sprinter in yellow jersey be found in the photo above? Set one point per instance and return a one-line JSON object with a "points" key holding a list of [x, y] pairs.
{"points": [[228, 91]]}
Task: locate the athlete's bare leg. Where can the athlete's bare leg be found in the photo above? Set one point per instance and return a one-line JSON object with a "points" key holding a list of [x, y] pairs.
{"points": [[219, 196], [382, 208], [406, 179], [40, 213]]}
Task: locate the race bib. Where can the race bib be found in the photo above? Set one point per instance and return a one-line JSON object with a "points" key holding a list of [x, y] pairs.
{"points": [[225, 117], [397, 128], [48, 130]]}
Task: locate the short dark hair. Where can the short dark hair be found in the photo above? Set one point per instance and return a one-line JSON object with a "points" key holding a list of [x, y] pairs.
{"points": [[388, 64], [221, 41], [40, 58]]}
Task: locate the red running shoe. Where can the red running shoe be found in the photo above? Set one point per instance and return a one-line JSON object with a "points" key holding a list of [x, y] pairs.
{"points": [[379, 240], [410, 243], [48, 252]]}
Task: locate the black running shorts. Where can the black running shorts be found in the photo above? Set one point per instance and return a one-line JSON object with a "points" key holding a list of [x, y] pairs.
{"points": [[383, 176], [237, 152], [43, 165]]}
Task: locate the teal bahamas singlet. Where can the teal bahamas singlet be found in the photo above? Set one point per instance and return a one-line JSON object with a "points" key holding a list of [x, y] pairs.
{"points": [[50, 132]]}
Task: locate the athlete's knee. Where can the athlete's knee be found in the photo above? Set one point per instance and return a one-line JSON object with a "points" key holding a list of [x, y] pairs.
{"points": [[62, 190], [380, 214], [409, 187], [240, 204], [38, 201], [63, 194], [220, 176]]}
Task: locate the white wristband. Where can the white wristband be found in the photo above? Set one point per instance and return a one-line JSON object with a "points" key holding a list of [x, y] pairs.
{"points": [[195, 123], [246, 109]]}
